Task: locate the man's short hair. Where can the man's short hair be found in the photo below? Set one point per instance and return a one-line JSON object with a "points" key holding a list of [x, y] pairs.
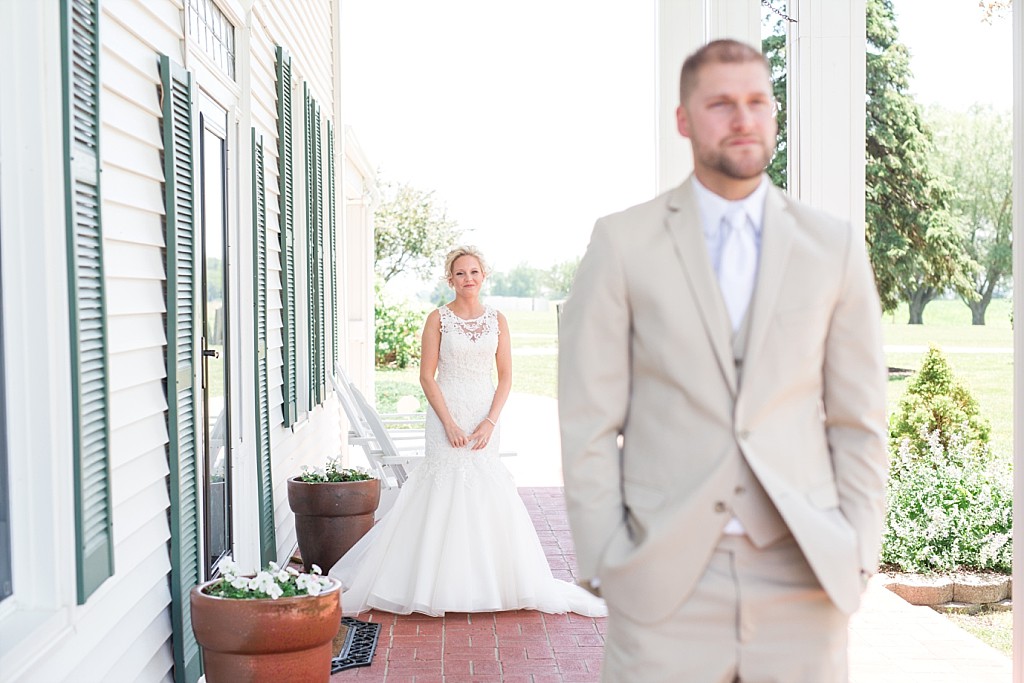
{"points": [[724, 51]]}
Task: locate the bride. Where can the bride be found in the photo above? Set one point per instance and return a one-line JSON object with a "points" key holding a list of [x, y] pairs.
{"points": [[459, 538]]}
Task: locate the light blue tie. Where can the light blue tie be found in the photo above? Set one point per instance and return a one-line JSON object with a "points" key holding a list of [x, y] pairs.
{"points": [[737, 264]]}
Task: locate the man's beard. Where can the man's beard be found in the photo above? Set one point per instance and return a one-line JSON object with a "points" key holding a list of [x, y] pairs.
{"points": [[743, 168]]}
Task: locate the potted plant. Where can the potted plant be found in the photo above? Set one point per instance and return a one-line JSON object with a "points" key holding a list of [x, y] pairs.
{"points": [[276, 625], [333, 509]]}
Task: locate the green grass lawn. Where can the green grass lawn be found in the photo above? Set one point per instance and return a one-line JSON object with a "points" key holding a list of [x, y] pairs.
{"points": [[944, 313], [994, 628]]}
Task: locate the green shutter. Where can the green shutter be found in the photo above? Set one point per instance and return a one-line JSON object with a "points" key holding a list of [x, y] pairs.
{"points": [[311, 209], [314, 241], [265, 484], [333, 361], [321, 350], [182, 418], [287, 206], [94, 556]]}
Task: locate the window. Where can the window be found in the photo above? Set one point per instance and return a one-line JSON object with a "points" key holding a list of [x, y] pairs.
{"points": [[214, 33]]}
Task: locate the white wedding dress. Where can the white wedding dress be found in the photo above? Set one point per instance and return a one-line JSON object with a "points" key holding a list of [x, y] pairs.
{"points": [[458, 538]]}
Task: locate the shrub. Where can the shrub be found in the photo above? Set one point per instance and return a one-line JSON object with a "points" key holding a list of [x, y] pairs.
{"points": [[949, 510], [397, 334], [936, 401]]}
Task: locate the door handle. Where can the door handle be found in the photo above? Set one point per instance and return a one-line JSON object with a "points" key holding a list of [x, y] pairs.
{"points": [[211, 353]]}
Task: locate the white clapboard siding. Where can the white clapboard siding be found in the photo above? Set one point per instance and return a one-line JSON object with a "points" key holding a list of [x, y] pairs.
{"points": [[132, 222], [105, 634], [131, 260], [147, 332], [264, 111], [131, 609], [124, 631], [303, 28]]}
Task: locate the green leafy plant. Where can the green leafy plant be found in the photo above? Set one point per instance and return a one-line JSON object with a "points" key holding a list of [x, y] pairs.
{"points": [[272, 582], [936, 401], [949, 510], [333, 472], [397, 334]]}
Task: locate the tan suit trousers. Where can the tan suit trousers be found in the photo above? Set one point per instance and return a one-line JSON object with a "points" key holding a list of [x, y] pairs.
{"points": [[756, 616]]}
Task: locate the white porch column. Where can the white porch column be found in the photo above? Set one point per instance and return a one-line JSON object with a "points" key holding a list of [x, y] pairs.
{"points": [[683, 26], [826, 105], [737, 19], [681, 29], [1018, 335]]}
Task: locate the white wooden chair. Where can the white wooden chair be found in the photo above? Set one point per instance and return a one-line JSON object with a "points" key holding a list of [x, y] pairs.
{"points": [[385, 453]]}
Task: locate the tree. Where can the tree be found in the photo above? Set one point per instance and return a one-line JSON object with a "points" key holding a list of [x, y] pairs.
{"points": [[559, 278], [994, 8], [976, 154], [411, 232], [937, 401], [915, 246], [523, 280], [774, 49]]}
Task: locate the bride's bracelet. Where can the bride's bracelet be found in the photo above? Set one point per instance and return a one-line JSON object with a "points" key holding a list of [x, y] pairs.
{"points": [[491, 421]]}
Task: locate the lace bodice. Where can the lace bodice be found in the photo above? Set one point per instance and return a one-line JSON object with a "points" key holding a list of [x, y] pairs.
{"points": [[464, 366], [467, 348]]}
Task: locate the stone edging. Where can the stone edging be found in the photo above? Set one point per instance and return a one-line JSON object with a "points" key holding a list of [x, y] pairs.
{"points": [[960, 593]]}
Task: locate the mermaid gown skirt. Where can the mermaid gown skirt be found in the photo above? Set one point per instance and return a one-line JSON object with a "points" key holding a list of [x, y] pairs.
{"points": [[458, 538]]}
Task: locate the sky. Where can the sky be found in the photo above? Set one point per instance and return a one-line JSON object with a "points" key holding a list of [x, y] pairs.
{"points": [[530, 120], [956, 58]]}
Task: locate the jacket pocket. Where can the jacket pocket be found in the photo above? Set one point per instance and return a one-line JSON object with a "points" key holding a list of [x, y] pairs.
{"points": [[642, 496]]}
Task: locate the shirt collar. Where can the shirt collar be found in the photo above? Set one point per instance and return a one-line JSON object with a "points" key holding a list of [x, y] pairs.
{"points": [[713, 207]]}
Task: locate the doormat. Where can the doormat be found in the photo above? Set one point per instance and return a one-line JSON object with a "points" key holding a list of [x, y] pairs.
{"points": [[360, 644]]}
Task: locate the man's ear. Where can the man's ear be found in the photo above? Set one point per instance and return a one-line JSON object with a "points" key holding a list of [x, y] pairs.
{"points": [[682, 121]]}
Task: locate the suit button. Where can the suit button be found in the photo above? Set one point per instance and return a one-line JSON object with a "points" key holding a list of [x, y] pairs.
{"points": [[720, 506], [739, 490]]}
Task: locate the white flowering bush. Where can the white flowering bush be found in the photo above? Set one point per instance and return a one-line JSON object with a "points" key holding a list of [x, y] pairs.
{"points": [[949, 510], [274, 582]]}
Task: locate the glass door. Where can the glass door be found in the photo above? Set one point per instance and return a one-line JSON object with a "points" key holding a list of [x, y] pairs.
{"points": [[216, 473]]}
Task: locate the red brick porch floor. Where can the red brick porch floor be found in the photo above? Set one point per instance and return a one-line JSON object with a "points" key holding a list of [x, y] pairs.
{"points": [[890, 640]]}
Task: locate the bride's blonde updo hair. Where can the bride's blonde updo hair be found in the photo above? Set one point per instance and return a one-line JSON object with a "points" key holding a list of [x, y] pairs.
{"points": [[459, 252]]}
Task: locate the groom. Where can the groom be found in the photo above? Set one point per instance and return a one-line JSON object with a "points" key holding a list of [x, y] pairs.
{"points": [[722, 406]]}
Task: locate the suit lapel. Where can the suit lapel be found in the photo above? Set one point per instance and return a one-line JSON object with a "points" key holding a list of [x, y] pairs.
{"points": [[776, 243], [684, 226]]}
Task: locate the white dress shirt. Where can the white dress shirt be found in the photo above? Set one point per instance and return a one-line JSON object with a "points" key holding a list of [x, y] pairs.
{"points": [[713, 210]]}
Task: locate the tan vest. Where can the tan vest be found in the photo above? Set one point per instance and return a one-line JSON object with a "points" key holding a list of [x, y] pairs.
{"points": [[750, 503]]}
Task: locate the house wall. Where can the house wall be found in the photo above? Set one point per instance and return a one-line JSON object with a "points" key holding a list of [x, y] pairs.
{"points": [[123, 632], [360, 198]]}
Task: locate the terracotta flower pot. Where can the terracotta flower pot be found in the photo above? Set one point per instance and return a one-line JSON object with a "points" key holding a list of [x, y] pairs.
{"points": [[330, 517], [266, 641]]}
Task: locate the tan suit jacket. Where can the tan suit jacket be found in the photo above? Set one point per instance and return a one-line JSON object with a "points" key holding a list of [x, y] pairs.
{"points": [[652, 415]]}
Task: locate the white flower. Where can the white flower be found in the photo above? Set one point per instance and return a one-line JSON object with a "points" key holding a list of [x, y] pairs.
{"points": [[229, 567], [273, 582]]}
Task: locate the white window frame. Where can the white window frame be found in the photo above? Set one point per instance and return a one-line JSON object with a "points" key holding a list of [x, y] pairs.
{"points": [[36, 339]]}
